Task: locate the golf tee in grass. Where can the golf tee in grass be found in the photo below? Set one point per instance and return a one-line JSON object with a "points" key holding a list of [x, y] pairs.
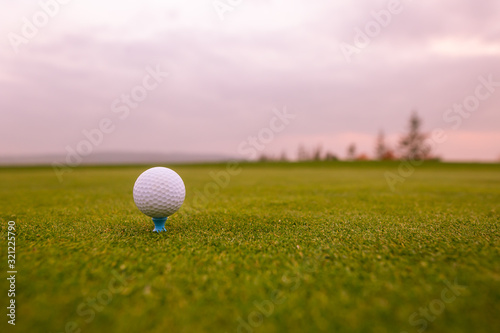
{"points": [[159, 223]]}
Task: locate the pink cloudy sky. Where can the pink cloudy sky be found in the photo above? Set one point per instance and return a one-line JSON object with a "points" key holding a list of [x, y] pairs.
{"points": [[226, 76]]}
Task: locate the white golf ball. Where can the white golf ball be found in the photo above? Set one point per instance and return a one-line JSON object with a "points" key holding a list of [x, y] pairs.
{"points": [[159, 192]]}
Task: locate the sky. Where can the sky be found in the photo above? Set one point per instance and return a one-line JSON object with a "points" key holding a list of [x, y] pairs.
{"points": [[241, 78]]}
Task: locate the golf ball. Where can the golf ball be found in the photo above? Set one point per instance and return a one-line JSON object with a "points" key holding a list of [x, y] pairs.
{"points": [[159, 192]]}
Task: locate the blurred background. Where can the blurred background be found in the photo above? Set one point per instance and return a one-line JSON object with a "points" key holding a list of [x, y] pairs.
{"points": [[131, 81]]}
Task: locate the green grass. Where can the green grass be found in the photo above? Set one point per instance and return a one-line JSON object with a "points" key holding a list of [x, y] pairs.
{"points": [[316, 247]]}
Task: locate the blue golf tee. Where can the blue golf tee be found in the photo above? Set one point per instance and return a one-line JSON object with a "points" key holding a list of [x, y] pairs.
{"points": [[159, 223]]}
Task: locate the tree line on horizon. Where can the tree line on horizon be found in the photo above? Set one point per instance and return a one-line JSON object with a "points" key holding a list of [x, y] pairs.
{"points": [[411, 146]]}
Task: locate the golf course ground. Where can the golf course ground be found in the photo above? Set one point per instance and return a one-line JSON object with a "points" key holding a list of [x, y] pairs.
{"points": [[256, 247]]}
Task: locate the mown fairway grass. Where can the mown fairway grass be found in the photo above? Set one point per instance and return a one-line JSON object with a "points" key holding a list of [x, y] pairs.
{"points": [[284, 248]]}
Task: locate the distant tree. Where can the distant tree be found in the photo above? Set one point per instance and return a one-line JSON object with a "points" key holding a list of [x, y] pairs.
{"points": [[283, 156], [329, 156], [351, 152], [380, 146], [412, 145], [362, 157], [389, 155], [382, 151], [303, 154], [318, 153], [264, 158]]}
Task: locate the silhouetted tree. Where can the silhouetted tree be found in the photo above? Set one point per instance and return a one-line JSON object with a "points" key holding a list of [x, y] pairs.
{"points": [[329, 156], [303, 154], [382, 151], [351, 152], [264, 158], [412, 145], [283, 156], [317, 154], [362, 157], [389, 155], [380, 146]]}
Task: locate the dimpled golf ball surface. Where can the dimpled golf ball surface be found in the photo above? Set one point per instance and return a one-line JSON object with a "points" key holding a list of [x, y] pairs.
{"points": [[159, 192]]}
